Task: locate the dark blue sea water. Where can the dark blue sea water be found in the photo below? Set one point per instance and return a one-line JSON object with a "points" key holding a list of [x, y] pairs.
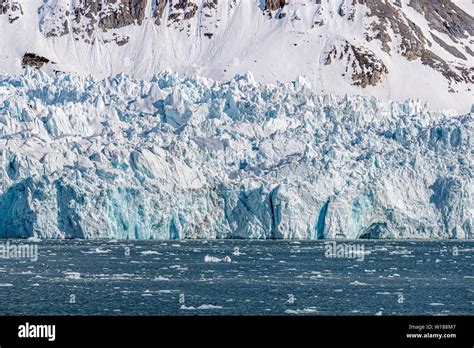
{"points": [[78, 277]]}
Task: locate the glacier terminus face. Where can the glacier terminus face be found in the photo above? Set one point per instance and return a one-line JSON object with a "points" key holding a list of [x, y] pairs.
{"points": [[173, 157]]}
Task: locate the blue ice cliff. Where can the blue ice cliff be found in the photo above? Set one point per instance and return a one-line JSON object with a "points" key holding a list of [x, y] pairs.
{"points": [[192, 158]]}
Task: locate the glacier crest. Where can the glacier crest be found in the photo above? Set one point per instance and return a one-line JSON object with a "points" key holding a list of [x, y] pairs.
{"points": [[190, 157]]}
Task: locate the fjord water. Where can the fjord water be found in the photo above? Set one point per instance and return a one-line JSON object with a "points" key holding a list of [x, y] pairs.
{"points": [[194, 277]]}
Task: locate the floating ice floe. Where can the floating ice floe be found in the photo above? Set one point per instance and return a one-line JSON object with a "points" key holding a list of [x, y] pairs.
{"points": [[208, 258], [308, 310], [72, 275], [161, 278], [150, 252], [204, 306], [356, 282]]}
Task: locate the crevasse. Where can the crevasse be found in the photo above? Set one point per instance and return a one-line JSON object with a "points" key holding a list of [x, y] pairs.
{"points": [[192, 158]]}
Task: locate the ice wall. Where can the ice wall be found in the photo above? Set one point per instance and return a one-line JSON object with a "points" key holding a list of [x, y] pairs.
{"points": [[193, 158]]}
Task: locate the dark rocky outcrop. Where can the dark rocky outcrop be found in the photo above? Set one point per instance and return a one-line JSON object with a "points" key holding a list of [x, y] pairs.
{"points": [[451, 49], [90, 15], [274, 5], [446, 17], [34, 61], [131, 12], [160, 6], [183, 10], [442, 15], [363, 65], [11, 8]]}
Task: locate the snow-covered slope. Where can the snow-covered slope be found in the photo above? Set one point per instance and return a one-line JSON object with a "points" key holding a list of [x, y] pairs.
{"points": [[184, 157], [391, 49]]}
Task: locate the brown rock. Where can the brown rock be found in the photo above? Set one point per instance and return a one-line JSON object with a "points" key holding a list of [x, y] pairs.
{"points": [[273, 5], [159, 10], [34, 61], [366, 68]]}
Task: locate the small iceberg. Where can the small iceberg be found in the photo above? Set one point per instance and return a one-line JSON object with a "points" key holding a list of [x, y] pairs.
{"points": [[214, 259]]}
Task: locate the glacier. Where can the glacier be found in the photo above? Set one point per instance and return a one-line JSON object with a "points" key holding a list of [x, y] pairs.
{"points": [[188, 157]]}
